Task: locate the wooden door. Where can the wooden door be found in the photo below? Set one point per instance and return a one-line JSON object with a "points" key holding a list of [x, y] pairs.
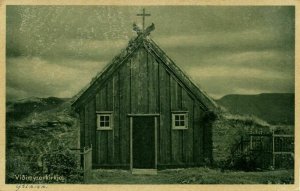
{"points": [[143, 142]]}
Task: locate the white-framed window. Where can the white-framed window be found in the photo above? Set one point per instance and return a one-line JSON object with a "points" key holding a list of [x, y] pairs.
{"points": [[104, 120], [180, 120]]}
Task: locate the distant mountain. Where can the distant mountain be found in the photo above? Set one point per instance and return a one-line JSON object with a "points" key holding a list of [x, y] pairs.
{"points": [[17, 110], [275, 108]]}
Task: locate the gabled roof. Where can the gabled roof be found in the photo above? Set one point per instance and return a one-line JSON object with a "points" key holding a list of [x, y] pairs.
{"points": [[199, 94], [143, 40]]}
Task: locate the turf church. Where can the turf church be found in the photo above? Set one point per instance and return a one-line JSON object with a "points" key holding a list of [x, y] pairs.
{"points": [[143, 112]]}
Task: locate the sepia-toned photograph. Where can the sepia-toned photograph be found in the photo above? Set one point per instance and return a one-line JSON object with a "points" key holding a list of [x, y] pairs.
{"points": [[119, 94]]}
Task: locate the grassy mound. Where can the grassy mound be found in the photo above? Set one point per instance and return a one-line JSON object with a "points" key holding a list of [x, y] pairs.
{"points": [[38, 134], [228, 129]]}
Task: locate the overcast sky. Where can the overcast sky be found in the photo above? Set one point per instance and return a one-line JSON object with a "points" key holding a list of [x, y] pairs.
{"points": [[57, 50]]}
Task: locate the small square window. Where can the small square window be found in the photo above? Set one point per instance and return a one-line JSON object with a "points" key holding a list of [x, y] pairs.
{"points": [[104, 121], [180, 120]]}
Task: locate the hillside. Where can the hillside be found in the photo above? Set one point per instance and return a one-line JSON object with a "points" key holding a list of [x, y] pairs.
{"points": [[44, 120], [17, 110], [275, 108], [35, 127]]}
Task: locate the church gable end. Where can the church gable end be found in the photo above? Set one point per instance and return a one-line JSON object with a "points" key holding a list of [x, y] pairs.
{"points": [[142, 87]]}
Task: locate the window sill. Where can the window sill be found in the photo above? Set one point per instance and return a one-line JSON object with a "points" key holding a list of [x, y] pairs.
{"points": [[179, 128], [104, 128]]}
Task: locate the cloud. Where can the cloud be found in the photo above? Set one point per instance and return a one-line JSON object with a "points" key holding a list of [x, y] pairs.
{"points": [[85, 49], [242, 73], [246, 40], [56, 50], [38, 77]]}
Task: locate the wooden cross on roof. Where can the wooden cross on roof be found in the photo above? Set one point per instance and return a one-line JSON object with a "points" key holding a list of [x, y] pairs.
{"points": [[144, 14]]}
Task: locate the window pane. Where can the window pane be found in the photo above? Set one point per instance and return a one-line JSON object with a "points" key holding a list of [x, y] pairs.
{"points": [[106, 118], [177, 117], [181, 117], [176, 123], [106, 124], [181, 123], [101, 124], [101, 118]]}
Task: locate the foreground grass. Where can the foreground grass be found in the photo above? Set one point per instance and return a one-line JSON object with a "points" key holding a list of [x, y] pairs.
{"points": [[192, 176]]}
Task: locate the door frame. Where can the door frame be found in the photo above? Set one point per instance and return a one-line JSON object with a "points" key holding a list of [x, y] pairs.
{"points": [[155, 116]]}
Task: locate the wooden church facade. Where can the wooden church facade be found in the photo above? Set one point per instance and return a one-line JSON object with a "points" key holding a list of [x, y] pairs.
{"points": [[142, 111]]}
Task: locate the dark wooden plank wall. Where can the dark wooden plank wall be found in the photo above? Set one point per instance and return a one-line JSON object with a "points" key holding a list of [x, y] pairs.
{"points": [[82, 127], [144, 86], [165, 121]]}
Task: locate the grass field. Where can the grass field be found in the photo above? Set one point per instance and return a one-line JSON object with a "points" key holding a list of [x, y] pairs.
{"points": [[192, 176]]}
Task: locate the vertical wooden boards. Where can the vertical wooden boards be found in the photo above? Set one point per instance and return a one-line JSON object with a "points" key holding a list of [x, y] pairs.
{"points": [[176, 139], [97, 143], [180, 132], [82, 128], [109, 95], [155, 142], [201, 136], [112, 145], [110, 133], [198, 134], [165, 114], [162, 92], [86, 125], [103, 94], [97, 134], [188, 105], [116, 117], [153, 86], [179, 96], [102, 135], [207, 140], [153, 83], [125, 108], [134, 78], [102, 141], [139, 82], [92, 128], [130, 143], [143, 82], [168, 121], [98, 101]]}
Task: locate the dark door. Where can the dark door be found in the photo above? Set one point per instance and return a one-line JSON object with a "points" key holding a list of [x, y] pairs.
{"points": [[143, 142]]}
